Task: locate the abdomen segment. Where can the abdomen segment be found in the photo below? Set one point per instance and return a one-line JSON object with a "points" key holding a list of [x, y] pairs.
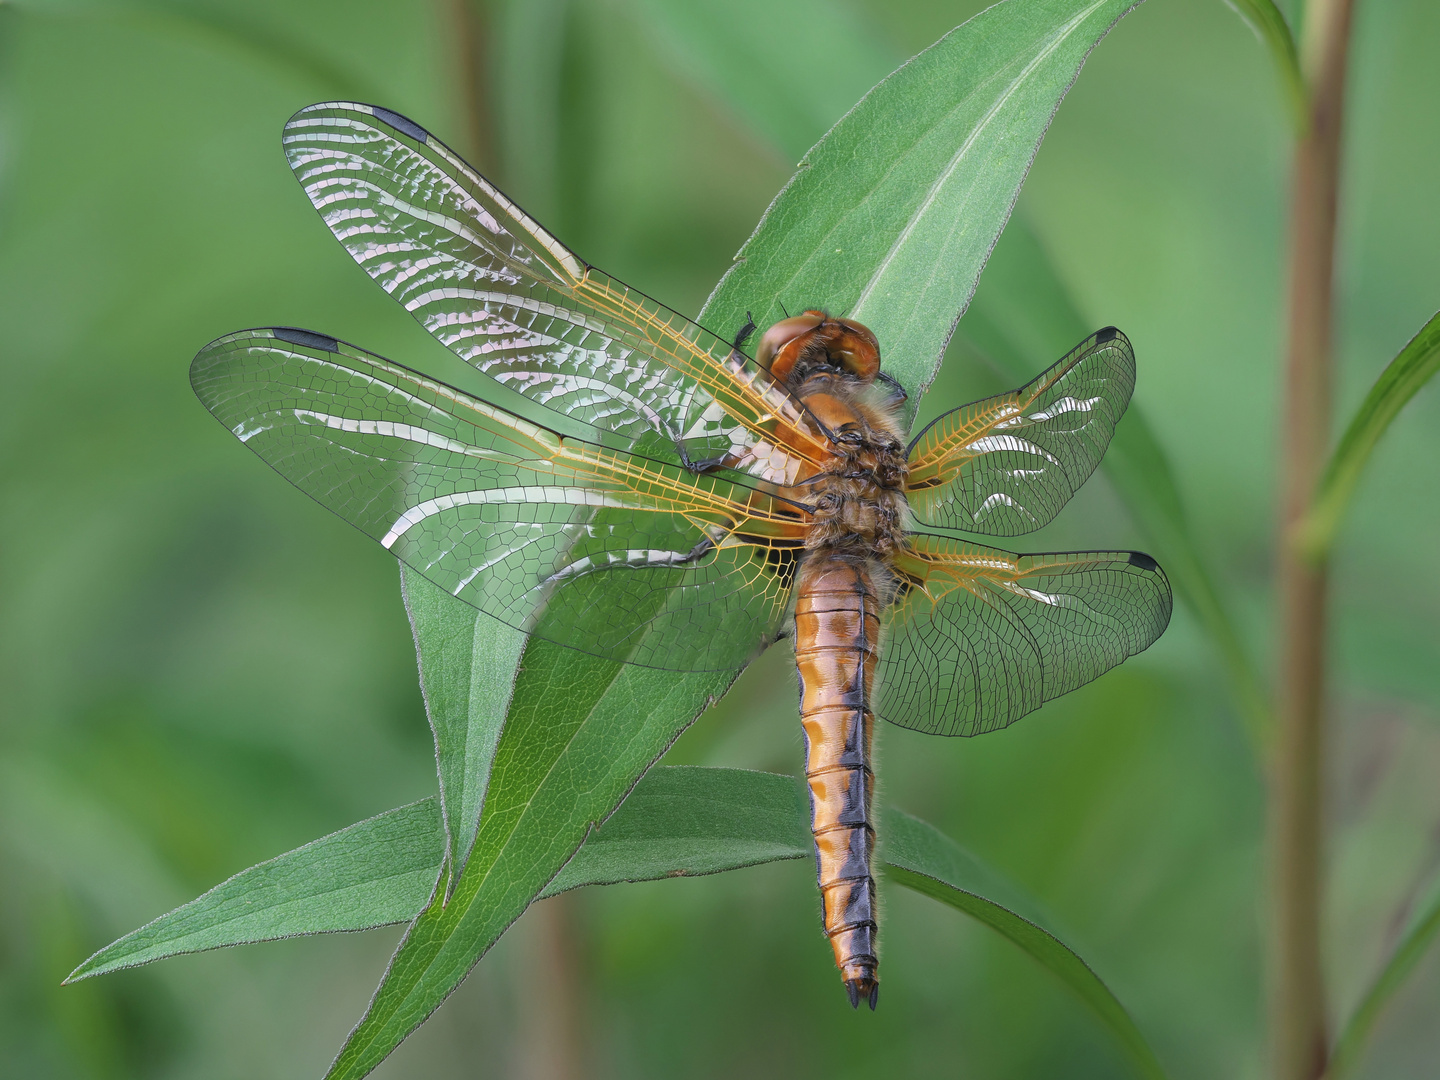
{"points": [[837, 631]]}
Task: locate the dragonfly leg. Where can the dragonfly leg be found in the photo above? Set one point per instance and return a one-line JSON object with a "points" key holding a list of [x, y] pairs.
{"points": [[897, 392], [726, 460], [743, 334], [703, 548]]}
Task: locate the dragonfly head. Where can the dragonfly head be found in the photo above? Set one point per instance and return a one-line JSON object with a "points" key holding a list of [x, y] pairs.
{"points": [[793, 348]]}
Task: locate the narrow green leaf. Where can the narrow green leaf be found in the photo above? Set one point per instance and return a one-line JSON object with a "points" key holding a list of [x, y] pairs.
{"points": [[580, 733], [920, 857], [374, 873], [678, 822], [683, 821], [686, 821], [893, 213], [1412, 946], [745, 53], [1398, 383], [468, 663], [1022, 316], [1270, 27], [1022, 319]]}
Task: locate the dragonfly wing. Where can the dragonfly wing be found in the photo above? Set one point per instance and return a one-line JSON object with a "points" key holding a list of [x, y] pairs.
{"points": [[977, 638], [506, 296], [591, 547], [1006, 465]]}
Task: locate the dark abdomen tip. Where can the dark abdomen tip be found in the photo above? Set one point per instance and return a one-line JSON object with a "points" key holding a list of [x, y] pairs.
{"points": [[863, 989]]}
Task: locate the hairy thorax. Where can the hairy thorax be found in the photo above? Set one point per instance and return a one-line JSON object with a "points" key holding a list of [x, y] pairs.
{"points": [[858, 498]]}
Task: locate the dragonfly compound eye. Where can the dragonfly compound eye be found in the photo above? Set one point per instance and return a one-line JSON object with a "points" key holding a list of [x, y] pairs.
{"points": [[842, 343], [852, 348], [781, 345]]}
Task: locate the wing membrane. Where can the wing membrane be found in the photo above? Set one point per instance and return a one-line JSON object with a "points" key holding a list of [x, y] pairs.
{"points": [[977, 637], [506, 296], [1006, 465], [507, 515]]}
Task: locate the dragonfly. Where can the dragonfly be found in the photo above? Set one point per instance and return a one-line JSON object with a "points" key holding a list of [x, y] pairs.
{"points": [[681, 503]]}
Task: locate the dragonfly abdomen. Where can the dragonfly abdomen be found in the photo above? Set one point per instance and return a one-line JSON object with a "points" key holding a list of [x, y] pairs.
{"points": [[837, 631]]}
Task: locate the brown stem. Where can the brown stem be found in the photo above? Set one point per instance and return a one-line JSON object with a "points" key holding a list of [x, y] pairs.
{"points": [[550, 1042], [1298, 1033], [470, 39]]}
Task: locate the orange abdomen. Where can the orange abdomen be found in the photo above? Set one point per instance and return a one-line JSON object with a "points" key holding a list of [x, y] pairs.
{"points": [[837, 631]]}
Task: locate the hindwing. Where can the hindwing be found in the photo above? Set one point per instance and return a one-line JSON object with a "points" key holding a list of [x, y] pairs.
{"points": [[977, 637]]}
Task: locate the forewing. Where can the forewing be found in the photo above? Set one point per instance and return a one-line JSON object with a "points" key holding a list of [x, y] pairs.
{"points": [[489, 282], [505, 514], [977, 638], [1006, 465]]}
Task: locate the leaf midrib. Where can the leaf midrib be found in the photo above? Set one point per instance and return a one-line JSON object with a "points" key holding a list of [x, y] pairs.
{"points": [[939, 183]]}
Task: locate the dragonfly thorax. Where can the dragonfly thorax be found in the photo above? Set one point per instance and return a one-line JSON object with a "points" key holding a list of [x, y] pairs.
{"points": [[858, 499]]}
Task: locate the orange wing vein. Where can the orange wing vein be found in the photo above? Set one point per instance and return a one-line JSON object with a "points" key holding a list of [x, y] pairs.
{"points": [[1007, 464]]}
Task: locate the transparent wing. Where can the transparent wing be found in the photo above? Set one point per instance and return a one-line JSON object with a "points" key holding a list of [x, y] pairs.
{"points": [[977, 638], [624, 558], [485, 279], [1006, 465]]}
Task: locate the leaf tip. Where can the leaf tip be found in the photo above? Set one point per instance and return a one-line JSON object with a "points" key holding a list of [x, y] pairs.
{"points": [[83, 971]]}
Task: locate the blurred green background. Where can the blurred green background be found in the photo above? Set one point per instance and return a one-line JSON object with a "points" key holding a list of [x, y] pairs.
{"points": [[201, 669]]}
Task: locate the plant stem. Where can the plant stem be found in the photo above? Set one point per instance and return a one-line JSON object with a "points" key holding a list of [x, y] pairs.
{"points": [[1298, 1032], [470, 34], [551, 1036]]}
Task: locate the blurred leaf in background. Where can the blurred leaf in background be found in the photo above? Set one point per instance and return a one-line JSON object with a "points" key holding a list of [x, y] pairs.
{"points": [[201, 670]]}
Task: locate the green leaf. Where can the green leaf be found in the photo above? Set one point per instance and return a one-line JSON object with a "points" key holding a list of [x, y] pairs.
{"points": [[1023, 319], [893, 213], [1398, 383], [468, 663], [745, 53], [687, 821], [1412, 946], [374, 873], [580, 733], [1270, 27], [1022, 316], [678, 822], [920, 857]]}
